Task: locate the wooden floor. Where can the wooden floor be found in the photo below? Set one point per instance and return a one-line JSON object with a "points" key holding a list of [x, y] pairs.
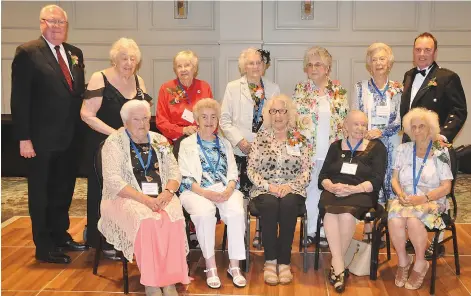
{"points": [[22, 275]]}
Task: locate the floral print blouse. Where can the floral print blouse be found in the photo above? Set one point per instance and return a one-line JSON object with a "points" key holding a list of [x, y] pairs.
{"points": [[270, 162], [306, 96]]}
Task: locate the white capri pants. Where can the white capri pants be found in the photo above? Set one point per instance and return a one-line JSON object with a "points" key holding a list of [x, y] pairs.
{"points": [[203, 214]]}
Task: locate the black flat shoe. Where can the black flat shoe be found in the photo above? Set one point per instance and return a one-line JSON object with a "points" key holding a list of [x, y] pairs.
{"points": [[112, 255], [54, 257], [429, 252], [72, 246]]}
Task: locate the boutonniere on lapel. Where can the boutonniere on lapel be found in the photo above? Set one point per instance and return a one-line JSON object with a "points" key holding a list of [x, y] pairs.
{"points": [[257, 92], [296, 139], [394, 88], [432, 82], [163, 147], [438, 149], [178, 94], [74, 59]]}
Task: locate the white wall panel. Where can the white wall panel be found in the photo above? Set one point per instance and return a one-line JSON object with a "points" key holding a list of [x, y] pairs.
{"points": [[6, 85], [373, 16], [96, 15], [450, 16], [21, 15], [200, 16]]}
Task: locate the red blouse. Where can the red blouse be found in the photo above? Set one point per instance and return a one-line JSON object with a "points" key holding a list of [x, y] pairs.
{"points": [[172, 103]]}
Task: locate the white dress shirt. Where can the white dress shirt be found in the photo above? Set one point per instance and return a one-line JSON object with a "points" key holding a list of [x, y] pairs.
{"points": [[418, 80], [63, 54]]}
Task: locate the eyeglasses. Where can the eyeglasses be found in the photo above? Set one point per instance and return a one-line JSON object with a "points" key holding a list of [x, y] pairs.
{"points": [[280, 111], [59, 23], [316, 65]]}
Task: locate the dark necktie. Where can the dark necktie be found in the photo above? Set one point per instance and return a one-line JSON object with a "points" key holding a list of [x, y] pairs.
{"points": [[63, 66]]}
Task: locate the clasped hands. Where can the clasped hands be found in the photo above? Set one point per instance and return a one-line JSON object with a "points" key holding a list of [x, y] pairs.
{"points": [[280, 191], [160, 202], [411, 200], [219, 196], [342, 190]]}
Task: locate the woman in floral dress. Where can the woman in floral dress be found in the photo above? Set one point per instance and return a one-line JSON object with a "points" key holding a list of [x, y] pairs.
{"points": [[421, 180], [322, 107]]}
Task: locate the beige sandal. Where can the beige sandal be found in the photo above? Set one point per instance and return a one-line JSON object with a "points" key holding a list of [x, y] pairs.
{"points": [[269, 274], [402, 273], [284, 274], [416, 278]]}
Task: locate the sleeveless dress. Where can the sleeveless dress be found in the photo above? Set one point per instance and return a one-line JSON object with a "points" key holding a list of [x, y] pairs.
{"points": [[111, 104]]}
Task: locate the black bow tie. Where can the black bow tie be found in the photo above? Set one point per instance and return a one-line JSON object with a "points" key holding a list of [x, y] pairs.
{"points": [[420, 71]]}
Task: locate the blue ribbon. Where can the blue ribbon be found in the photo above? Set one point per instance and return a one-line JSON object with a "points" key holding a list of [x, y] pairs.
{"points": [[218, 147], [260, 107], [353, 150], [417, 178], [383, 93], [141, 161]]}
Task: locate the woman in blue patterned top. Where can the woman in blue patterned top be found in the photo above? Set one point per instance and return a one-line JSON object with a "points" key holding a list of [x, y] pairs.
{"points": [[210, 181]]}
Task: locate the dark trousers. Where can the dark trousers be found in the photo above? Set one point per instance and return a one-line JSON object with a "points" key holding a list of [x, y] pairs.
{"points": [[51, 183], [244, 181], [282, 212]]}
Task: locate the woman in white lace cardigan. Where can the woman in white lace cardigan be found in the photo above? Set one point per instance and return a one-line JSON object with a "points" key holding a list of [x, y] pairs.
{"points": [[140, 213]]}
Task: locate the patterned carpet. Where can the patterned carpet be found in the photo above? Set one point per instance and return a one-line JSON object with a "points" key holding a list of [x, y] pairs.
{"points": [[15, 198]]}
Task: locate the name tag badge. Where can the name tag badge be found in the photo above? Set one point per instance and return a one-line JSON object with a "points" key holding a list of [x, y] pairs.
{"points": [[382, 111], [150, 188], [349, 168], [188, 116], [291, 150], [379, 120], [218, 187]]}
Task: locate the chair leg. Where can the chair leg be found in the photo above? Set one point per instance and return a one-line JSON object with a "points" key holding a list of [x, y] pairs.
{"points": [[304, 237], [260, 235], [301, 235], [388, 241], [125, 274], [455, 248], [247, 243], [434, 262], [97, 255], [224, 239], [376, 240], [318, 240]]}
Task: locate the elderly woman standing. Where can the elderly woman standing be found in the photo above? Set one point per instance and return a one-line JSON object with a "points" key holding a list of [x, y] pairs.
{"points": [[351, 177], [322, 107], [279, 168], [140, 213], [421, 180], [209, 173], [106, 93], [177, 97], [241, 114]]}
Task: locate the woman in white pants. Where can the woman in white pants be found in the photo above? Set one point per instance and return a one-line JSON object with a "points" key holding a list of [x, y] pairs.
{"points": [[209, 180]]}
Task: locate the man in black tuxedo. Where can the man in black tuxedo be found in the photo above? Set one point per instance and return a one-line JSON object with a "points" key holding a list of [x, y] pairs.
{"points": [[436, 89], [47, 88]]}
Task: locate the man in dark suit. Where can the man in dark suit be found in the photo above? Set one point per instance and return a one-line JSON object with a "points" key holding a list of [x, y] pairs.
{"points": [[47, 88], [434, 88], [437, 89]]}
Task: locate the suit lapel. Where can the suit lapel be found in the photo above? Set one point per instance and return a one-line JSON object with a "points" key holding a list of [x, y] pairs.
{"points": [[71, 66], [244, 88], [51, 59], [425, 87]]}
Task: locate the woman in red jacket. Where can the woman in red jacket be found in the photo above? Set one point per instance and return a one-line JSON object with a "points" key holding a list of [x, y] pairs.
{"points": [[174, 114]]}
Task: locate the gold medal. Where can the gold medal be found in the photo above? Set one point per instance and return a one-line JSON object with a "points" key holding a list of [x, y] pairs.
{"points": [[149, 178], [156, 165]]}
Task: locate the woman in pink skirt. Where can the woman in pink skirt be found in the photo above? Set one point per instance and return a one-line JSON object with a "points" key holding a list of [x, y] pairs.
{"points": [[140, 213]]}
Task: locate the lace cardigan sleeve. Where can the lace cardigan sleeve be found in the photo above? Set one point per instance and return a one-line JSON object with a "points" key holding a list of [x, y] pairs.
{"points": [[170, 163], [113, 168]]}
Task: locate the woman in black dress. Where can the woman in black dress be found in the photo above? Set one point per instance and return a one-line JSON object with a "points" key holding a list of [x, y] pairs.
{"points": [[106, 93], [351, 178]]}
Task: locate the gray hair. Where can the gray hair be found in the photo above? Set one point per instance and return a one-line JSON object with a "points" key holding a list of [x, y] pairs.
{"points": [[430, 117], [289, 105], [243, 59], [125, 45], [188, 55], [374, 48], [131, 106], [322, 53], [51, 7], [206, 103]]}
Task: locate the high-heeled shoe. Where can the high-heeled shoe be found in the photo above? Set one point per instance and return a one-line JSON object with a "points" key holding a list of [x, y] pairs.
{"points": [[340, 281], [416, 278], [332, 275], [402, 273]]}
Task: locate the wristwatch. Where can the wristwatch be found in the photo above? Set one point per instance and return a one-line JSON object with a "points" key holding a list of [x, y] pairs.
{"points": [[170, 190]]}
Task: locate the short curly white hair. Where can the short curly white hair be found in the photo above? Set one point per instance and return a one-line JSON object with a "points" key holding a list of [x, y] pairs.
{"points": [[289, 105], [430, 117], [322, 53], [131, 106], [127, 46], [243, 59], [187, 55], [206, 103], [374, 48]]}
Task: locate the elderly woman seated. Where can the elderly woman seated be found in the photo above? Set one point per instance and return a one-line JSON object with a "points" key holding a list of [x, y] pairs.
{"points": [[140, 213], [279, 167], [351, 177], [421, 180], [209, 173]]}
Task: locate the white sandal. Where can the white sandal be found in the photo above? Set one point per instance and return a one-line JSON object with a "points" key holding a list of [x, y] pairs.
{"points": [[239, 281], [213, 281]]}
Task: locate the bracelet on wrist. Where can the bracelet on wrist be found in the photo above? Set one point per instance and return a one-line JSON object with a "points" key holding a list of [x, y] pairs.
{"points": [[428, 198]]}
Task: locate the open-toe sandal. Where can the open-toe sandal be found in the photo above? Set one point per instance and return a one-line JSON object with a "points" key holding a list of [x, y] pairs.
{"points": [[237, 278], [284, 274], [402, 273], [269, 274], [212, 281], [416, 278]]}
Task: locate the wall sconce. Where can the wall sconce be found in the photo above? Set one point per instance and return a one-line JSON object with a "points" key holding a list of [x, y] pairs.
{"points": [[180, 9], [307, 10]]}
